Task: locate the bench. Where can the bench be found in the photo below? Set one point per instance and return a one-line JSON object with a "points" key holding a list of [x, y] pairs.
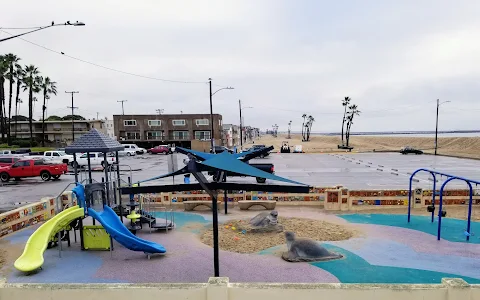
{"points": [[190, 205], [246, 204]]}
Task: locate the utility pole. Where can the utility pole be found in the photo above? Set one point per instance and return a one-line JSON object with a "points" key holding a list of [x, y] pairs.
{"points": [[436, 126], [159, 111], [241, 135], [123, 112], [97, 115], [73, 119]]}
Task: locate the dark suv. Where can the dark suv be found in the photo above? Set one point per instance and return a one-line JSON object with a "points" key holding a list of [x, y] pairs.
{"points": [[410, 150], [220, 149]]}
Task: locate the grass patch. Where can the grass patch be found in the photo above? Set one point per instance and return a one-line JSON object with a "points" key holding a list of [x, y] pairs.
{"points": [[34, 149]]}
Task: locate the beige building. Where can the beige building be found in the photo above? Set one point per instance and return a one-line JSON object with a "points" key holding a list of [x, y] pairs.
{"points": [[56, 131]]}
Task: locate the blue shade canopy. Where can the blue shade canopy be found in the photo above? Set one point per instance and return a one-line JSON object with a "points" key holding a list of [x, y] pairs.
{"points": [[181, 171], [226, 162]]}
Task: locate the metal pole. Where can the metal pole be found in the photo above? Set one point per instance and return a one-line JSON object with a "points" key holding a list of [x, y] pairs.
{"points": [[118, 174], [240, 109], [73, 120], [436, 129], [75, 166], [89, 168], [212, 136], [105, 164], [469, 218], [225, 198], [433, 197]]}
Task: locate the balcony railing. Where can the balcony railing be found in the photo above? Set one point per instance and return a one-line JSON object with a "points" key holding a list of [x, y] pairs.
{"points": [[181, 137], [161, 138]]}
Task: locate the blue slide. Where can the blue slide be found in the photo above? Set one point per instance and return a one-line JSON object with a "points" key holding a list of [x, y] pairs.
{"points": [[112, 224]]}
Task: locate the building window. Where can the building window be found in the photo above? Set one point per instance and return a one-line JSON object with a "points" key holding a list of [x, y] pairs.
{"points": [[178, 122], [154, 122], [129, 122], [154, 135], [202, 135], [201, 122], [180, 135], [132, 135]]}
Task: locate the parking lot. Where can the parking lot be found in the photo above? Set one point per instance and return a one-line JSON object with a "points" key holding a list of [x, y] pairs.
{"points": [[355, 171]]}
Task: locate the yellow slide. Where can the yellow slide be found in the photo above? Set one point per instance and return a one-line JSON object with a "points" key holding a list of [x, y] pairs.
{"points": [[32, 257]]}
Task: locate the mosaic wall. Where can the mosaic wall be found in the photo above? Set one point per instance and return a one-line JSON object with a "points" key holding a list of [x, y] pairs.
{"points": [[26, 216]]}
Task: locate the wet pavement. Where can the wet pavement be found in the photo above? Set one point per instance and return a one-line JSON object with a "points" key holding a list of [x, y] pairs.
{"points": [[355, 171]]}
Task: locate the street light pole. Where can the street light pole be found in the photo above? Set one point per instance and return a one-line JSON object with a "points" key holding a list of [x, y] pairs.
{"points": [[77, 23], [436, 126], [211, 111], [241, 134], [212, 136]]}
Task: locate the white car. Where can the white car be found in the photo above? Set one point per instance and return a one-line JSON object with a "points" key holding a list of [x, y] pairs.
{"points": [[127, 152], [135, 148], [58, 156], [96, 159]]}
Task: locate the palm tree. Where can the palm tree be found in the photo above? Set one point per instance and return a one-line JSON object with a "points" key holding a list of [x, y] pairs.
{"points": [[3, 72], [353, 111], [345, 103], [19, 74], [308, 128], [12, 61], [303, 125], [31, 83], [49, 87]]}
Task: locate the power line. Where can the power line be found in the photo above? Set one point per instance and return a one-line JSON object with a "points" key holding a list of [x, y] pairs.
{"points": [[104, 67]]}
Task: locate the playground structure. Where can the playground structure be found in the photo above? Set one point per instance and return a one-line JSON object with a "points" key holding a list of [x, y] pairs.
{"points": [[442, 213], [91, 237]]}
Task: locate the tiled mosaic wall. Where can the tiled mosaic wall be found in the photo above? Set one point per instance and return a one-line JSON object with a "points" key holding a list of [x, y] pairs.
{"points": [[26, 216]]}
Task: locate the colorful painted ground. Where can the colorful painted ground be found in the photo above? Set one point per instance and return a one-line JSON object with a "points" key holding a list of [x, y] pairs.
{"points": [[389, 250]]}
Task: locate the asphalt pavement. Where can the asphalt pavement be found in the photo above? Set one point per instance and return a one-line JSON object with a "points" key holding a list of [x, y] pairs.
{"points": [[355, 171]]}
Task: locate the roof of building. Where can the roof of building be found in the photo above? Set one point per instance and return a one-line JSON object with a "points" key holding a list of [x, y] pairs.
{"points": [[94, 141]]}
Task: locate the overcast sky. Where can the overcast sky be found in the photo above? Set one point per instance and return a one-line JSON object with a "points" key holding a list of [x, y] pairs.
{"points": [[284, 58]]}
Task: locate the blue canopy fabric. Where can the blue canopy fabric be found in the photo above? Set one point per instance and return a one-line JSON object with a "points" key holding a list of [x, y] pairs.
{"points": [[226, 162], [197, 154]]}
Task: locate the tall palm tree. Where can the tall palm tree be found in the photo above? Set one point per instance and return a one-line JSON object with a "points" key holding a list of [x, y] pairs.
{"points": [[345, 103], [32, 85], [303, 125], [353, 111], [3, 72], [12, 62], [310, 121], [19, 74], [49, 87]]}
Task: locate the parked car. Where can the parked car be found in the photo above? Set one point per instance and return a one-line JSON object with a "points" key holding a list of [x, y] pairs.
{"points": [[8, 160], [269, 168], [127, 152], [6, 152], [96, 159], [59, 156], [160, 150], [135, 148], [258, 147], [408, 150], [220, 149], [33, 168], [23, 151]]}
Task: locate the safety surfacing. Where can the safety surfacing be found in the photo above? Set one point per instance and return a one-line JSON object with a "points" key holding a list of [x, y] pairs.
{"points": [[388, 251]]}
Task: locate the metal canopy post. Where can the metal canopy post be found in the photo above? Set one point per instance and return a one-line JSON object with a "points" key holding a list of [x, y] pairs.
{"points": [[89, 168], [105, 167], [118, 176], [192, 167]]}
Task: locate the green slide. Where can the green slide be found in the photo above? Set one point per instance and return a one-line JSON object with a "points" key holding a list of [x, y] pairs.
{"points": [[32, 257]]}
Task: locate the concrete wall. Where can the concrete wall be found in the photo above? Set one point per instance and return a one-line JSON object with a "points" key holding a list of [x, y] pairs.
{"points": [[221, 289]]}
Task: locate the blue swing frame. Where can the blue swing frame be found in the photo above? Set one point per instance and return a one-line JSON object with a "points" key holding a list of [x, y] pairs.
{"points": [[450, 178]]}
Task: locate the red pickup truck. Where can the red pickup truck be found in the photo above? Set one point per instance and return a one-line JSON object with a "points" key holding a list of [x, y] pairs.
{"points": [[32, 168]]}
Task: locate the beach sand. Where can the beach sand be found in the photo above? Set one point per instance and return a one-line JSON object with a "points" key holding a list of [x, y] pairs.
{"points": [[452, 146]]}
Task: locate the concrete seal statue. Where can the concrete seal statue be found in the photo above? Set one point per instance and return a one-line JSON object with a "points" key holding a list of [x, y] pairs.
{"points": [[305, 250], [265, 222]]}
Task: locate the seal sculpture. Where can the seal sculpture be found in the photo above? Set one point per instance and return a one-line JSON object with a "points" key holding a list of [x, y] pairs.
{"points": [[265, 222], [305, 250]]}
